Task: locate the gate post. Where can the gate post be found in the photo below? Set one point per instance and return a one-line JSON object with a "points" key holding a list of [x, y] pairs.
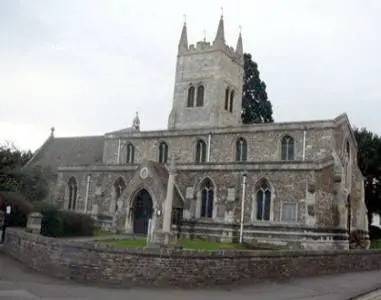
{"points": [[2, 226]]}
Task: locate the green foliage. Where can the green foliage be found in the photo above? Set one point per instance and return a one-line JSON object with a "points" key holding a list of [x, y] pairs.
{"points": [[256, 108], [369, 159], [57, 223], [32, 183], [20, 208]]}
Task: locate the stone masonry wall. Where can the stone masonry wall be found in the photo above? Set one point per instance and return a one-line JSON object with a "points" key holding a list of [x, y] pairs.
{"points": [[175, 268], [262, 144]]}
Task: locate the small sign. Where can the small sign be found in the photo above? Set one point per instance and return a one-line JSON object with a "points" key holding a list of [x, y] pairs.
{"points": [[8, 210]]}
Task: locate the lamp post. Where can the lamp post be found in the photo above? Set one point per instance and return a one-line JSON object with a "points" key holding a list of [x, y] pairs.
{"points": [[242, 206]]}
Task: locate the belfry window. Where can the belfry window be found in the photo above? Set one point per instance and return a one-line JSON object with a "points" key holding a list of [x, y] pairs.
{"points": [[288, 147], [200, 96], [130, 153], [241, 150], [227, 99], [231, 101], [190, 102], [73, 189], [200, 151], [163, 153]]}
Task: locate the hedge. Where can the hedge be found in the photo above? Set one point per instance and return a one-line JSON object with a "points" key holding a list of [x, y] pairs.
{"points": [[56, 223]]}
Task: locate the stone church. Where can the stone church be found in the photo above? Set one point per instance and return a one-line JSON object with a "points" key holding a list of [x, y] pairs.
{"points": [[295, 184]]}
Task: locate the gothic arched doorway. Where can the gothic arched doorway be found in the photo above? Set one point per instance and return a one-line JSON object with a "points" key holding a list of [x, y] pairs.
{"points": [[142, 212]]}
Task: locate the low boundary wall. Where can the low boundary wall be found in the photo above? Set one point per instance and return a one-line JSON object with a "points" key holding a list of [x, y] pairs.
{"points": [[100, 264]]}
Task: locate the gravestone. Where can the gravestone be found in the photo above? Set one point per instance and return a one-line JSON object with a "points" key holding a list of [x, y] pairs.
{"points": [[34, 223]]}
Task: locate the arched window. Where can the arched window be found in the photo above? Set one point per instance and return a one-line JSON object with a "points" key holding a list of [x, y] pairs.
{"points": [[207, 198], [190, 102], [241, 150], [263, 193], [288, 146], [130, 153], [200, 96], [119, 186], [200, 151], [347, 149], [227, 99], [231, 101], [163, 153], [73, 189]]}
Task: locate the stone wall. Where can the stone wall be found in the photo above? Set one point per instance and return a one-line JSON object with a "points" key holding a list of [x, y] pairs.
{"points": [[263, 143], [175, 268]]}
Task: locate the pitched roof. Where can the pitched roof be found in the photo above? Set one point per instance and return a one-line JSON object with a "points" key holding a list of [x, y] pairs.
{"points": [[57, 152]]}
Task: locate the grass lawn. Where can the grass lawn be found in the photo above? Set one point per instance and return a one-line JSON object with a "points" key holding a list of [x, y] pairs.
{"points": [[375, 244], [195, 244]]}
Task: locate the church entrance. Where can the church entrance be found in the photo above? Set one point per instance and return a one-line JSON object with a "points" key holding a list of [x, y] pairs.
{"points": [[142, 212]]}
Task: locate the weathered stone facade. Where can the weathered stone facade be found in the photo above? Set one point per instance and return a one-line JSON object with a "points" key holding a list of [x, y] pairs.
{"points": [[302, 185]]}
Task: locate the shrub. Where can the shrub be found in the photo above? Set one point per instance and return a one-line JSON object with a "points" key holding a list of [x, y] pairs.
{"points": [[57, 223], [76, 224], [20, 208]]}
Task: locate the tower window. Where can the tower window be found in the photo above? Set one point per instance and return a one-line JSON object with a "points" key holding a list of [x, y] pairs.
{"points": [[190, 102], [231, 101], [227, 99], [200, 96], [200, 151], [163, 153], [130, 153]]}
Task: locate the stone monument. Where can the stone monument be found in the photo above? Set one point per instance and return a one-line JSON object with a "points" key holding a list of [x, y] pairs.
{"points": [[164, 236]]}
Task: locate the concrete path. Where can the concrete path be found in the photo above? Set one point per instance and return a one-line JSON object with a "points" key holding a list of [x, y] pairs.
{"points": [[19, 283]]}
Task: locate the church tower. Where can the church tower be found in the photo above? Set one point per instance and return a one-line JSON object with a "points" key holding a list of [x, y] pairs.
{"points": [[208, 83]]}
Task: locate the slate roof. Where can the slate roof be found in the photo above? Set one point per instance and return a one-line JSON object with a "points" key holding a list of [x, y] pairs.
{"points": [[121, 131], [57, 152]]}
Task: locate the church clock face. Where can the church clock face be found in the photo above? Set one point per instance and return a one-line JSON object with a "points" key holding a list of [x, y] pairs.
{"points": [[144, 173]]}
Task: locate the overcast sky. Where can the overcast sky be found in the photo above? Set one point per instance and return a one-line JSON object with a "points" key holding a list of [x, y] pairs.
{"points": [[86, 67]]}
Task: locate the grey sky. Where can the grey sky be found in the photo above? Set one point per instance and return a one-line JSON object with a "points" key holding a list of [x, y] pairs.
{"points": [[86, 67]]}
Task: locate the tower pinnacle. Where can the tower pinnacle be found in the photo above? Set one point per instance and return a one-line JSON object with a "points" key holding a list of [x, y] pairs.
{"points": [[183, 43], [239, 47], [219, 41]]}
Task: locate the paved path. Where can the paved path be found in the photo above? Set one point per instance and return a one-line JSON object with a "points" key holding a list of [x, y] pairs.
{"points": [[20, 283]]}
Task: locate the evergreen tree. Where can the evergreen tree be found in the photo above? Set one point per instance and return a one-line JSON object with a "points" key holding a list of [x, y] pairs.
{"points": [[32, 183], [369, 160], [256, 108]]}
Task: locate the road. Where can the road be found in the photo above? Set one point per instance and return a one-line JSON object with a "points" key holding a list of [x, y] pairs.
{"points": [[20, 283]]}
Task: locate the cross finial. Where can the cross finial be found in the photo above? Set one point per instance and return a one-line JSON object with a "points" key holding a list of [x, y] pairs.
{"points": [[185, 18], [222, 11], [204, 35], [52, 131], [240, 29]]}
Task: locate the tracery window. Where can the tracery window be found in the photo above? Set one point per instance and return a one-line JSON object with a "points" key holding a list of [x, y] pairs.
{"points": [[288, 147]]}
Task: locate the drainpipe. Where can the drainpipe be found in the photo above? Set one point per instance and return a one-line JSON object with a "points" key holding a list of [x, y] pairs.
{"points": [[242, 207], [209, 142], [87, 193], [118, 157], [304, 144]]}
